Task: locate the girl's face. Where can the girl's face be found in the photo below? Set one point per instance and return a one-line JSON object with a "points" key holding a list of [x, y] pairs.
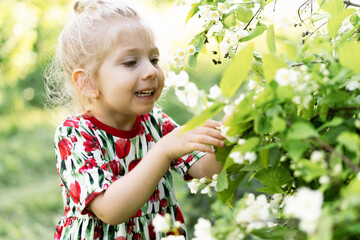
{"points": [[130, 80]]}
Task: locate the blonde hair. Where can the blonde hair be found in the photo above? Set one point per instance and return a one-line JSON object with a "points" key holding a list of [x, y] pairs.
{"points": [[84, 43]]}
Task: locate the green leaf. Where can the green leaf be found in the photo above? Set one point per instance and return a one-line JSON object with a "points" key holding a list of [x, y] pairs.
{"points": [[192, 60], [310, 170], [204, 116], [336, 121], [336, 21], [265, 97], [301, 130], [349, 55], [350, 140], [278, 124], [274, 178], [276, 232], [229, 20], [261, 124], [222, 153], [264, 159], [257, 31], [270, 39], [295, 148], [291, 50], [193, 11], [271, 64], [222, 182], [227, 195], [235, 74], [244, 14]]}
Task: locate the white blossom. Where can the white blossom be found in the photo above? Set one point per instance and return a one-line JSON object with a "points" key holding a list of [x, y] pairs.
{"points": [[285, 76], [161, 223], [204, 12], [353, 85], [180, 53], [182, 79], [250, 156], [357, 123], [225, 46], [194, 186], [239, 34], [206, 190], [224, 132], [202, 230], [216, 29], [215, 92], [191, 50], [173, 237], [324, 180], [203, 180], [238, 157], [305, 205], [223, 7], [239, 99], [178, 62], [214, 15], [241, 141], [192, 94], [317, 156], [228, 109], [256, 214]]}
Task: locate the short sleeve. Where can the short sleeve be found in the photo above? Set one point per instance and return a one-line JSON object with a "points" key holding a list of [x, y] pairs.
{"points": [[180, 165], [80, 162]]}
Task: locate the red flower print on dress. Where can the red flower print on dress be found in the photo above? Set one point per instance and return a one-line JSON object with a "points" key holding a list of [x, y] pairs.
{"points": [[167, 127], [73, 138], [164, 202], [179, 215], [75, 191], [152, 234], [89, 164], [122, 147], [149, 138], [65, 147], [91, 142], [58, 232], [137, 214], [69, 221], [130, 226], [146, 116], [178, 161], [137, 236], [97, 232], [189, 158], [155, 196], [120, 238], [116, 168], [72, 122], [66, 211], [133, 164]]}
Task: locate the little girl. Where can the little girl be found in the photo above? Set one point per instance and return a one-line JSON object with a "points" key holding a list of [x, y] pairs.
{"points": [[114, 159]]}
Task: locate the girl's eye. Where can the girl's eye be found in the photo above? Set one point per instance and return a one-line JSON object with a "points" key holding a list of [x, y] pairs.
{"points": [[154, 61], [130, 63]]}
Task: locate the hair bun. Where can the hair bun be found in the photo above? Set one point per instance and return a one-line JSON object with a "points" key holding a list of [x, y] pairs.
{"points": [[81, 6]]}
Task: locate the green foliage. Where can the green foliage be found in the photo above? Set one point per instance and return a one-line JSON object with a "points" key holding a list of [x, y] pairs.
{"points": [[301, 120]]}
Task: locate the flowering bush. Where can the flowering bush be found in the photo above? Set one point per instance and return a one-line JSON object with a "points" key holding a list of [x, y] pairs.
{"points": [[294, 118]]}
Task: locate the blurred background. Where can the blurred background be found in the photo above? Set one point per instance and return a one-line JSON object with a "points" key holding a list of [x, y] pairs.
{"points": [[30, 199]]}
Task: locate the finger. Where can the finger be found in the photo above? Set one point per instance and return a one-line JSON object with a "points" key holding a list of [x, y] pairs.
{"points": [[209, 132], [212, 124], [205, 139], [203, 148]]}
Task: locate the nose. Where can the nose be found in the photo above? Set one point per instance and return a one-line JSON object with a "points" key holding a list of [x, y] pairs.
{"points": [[150, 71]]}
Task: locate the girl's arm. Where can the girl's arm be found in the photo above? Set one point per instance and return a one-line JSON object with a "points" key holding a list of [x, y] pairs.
{"points": [[129, 193]]}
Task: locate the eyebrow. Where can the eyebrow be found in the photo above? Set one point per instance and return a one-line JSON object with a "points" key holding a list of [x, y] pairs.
{"points": [[155, 49]]}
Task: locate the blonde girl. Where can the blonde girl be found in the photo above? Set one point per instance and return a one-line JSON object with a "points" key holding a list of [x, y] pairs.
{"points": [[114, 158]]}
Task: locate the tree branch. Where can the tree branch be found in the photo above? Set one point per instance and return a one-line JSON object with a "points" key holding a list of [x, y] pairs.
{"points": [[348, 3], [344, 158]]}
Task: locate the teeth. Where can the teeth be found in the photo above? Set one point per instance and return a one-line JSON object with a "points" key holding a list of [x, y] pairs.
{"points": [[145, 93]]}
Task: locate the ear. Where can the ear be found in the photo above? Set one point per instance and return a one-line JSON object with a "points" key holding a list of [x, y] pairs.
{"points": [[87, 88]]}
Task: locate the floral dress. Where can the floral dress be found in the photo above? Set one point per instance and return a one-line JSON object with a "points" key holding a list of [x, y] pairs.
{"points": [[91, 155]]}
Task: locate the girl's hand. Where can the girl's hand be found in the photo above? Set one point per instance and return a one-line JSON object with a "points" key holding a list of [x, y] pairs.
{"points": [[177, 144]]}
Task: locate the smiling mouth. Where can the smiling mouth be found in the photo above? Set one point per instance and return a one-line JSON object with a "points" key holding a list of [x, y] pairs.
{"points": [[145, 93]]}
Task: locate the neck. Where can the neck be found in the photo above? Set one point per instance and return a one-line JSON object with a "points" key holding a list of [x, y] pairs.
{"points": [[121, 122]]}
